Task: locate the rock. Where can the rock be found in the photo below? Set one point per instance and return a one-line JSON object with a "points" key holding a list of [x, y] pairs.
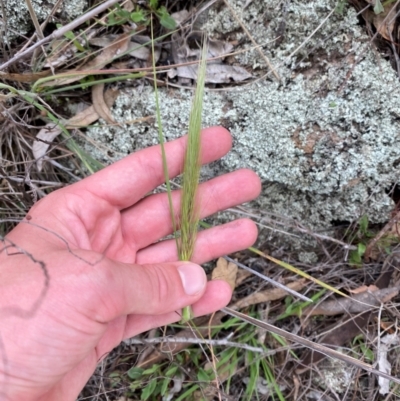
{"points": [[19, 20], [325, 139]]}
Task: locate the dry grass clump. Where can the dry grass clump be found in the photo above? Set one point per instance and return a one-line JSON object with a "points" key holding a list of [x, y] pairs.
{"points": [[21, 183]]}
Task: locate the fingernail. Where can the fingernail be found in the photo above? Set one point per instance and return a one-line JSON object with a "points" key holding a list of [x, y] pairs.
{"points": [[193, 278]]}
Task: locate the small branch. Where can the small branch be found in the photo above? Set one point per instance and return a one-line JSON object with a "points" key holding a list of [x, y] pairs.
{"points": [[35, 21], [60, 32], [269, 280], [190, 340], [269, 64], [297, 226], [309, 344]]}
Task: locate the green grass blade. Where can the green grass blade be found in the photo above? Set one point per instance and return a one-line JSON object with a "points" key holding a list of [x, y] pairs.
{"points": [[293, 269], [161, 136]]}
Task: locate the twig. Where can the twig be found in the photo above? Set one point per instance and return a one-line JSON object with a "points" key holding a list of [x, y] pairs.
{"points": [[309, 344], [43, 24], [35, 21], [224, 342], [21, 180], [60, 32], [3, 30], [271, 67], [297, 226], [266, 278], [307, 39], [213, 358]]}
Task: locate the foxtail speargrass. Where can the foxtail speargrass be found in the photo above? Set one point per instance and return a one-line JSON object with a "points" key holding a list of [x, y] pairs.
{"points": [[189, 214], [189, 211]]}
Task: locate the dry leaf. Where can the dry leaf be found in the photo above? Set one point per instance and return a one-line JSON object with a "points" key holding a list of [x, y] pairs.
{"points": [[83, 118], [356, 304], [384, 23], [241, 276], [141, 52], [28, 77], [39, 148], [177, 387], [364, 288], [135, 49], [118, 46], [100, 105], [226, 271], [4, 98], [341, 332], [216, 73], [185, 48], [50, 131], [180, 16], [89, 115], [128, 6], [269, 295], [387, 341], [63, 51]]}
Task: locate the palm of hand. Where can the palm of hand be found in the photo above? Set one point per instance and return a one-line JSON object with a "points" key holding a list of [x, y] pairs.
{"points": [[109, 225]]}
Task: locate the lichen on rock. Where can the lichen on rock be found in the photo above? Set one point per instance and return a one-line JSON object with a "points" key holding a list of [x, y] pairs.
{"points": [[18, 18], [324, 140]]}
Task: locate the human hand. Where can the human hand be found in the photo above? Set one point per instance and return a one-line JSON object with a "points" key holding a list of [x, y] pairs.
{"points": [[108, 277]]}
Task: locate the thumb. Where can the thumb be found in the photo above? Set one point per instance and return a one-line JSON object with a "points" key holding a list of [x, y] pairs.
{"points": [[151, 289]]}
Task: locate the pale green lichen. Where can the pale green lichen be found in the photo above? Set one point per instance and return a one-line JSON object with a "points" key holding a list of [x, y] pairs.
{"points": [[309, 258], [335, 375], [324, 140], [18, 19]]}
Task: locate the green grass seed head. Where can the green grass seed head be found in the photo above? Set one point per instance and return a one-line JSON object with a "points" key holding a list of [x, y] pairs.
{"points": [[189, 215]]}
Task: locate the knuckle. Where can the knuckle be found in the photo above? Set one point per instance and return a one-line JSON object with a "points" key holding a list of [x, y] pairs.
{"points": [[161, 288]]}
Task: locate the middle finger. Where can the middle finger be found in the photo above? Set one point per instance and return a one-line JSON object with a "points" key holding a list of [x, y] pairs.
{"points": [[150, 220]]}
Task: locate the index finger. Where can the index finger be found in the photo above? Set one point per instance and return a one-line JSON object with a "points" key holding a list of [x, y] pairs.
{"points": [[125, 182]]}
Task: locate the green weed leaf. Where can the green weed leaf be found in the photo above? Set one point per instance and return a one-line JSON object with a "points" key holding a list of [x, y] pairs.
{"points": [[139, 16], [153, 4], [70, 35], [355, 258], [151, 370], [364, 224], [165, 18], [185, 395], [164, 386], [118, 16], [340, 6], [361, 249], [202, 376], [135, 373], [378, 8], [148, 390], [171, 371]]}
